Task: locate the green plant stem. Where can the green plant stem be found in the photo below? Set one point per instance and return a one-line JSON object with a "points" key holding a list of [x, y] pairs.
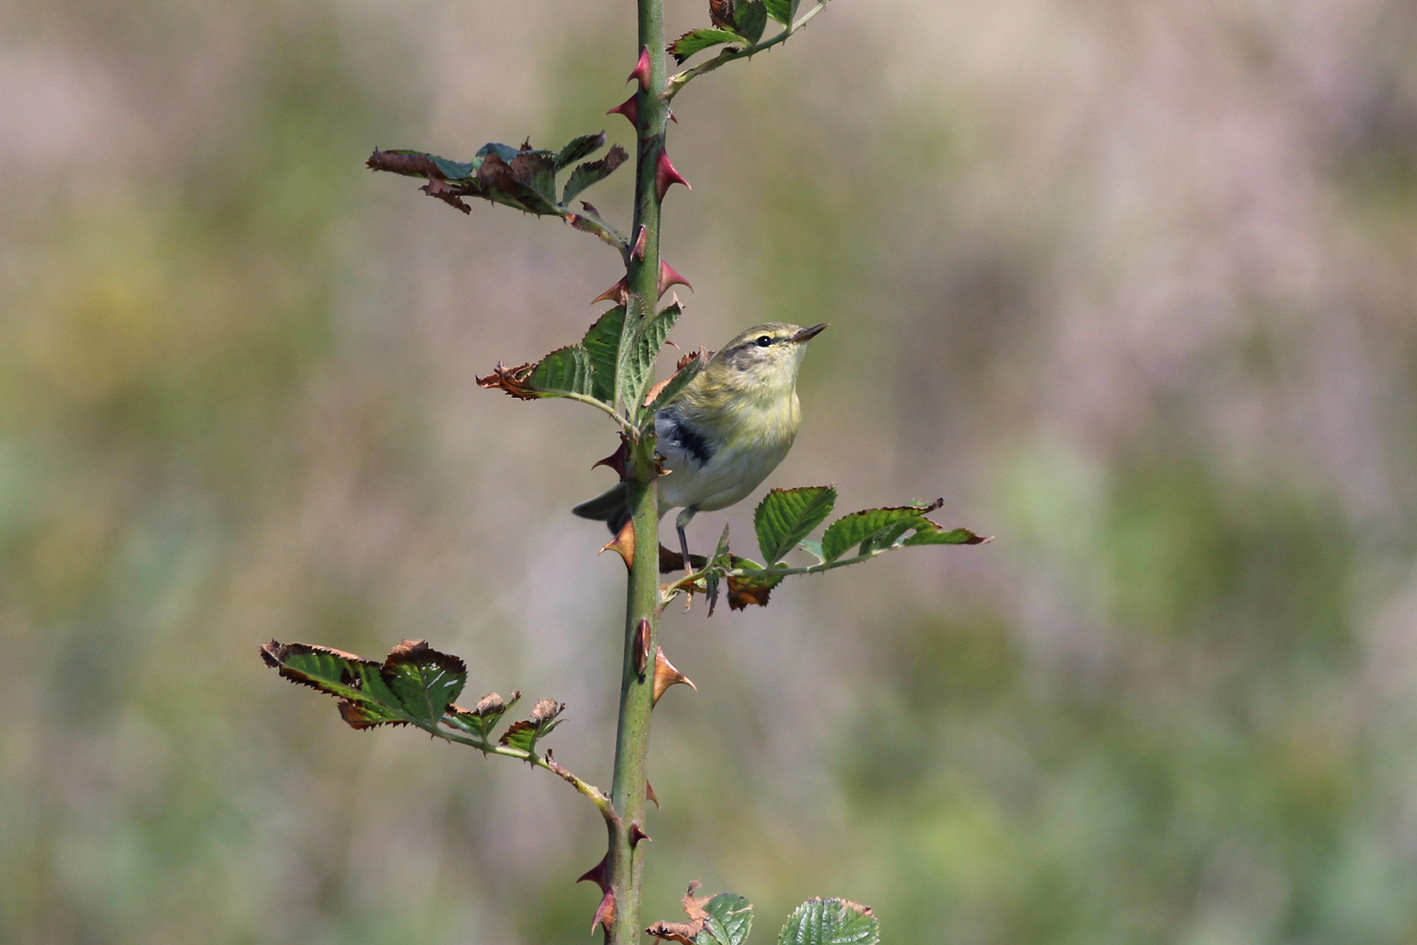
{"points": [[597, 796], [677, 83], [625, 858]]}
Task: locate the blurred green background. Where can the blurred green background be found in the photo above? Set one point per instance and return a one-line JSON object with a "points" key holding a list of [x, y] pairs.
{"points": [[1132, 285]]}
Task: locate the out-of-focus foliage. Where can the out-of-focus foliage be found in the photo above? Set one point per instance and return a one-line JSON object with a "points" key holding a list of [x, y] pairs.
{"points": [[1132, 285]]}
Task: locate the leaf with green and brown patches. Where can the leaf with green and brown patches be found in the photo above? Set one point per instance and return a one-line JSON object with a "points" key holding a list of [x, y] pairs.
{"points": [[544, 718], [481, 720], [592, 172], [565, 371], [745, 588], [414, 685]]}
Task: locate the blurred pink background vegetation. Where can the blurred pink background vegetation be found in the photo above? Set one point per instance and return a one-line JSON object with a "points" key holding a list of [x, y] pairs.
{"points": [[1131, 285]]}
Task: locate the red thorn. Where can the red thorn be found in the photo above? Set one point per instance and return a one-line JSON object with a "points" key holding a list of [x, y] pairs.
{"points": [[637, 834], [641, 69], [665, 176], [649, 793], [639, 251], [668, 277], [615, 460], [605, 912], [630, 108], [597, 874], [616, 293]]}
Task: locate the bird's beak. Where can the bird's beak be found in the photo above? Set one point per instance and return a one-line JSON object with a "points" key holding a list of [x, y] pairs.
{"points": [[807, 334]]}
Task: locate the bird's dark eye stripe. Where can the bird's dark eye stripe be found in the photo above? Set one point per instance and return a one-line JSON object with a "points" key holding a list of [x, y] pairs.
{"points": [[764, 341]]}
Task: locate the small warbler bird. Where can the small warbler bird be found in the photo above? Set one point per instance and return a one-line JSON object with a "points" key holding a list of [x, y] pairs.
{"points": [[725, 431]]}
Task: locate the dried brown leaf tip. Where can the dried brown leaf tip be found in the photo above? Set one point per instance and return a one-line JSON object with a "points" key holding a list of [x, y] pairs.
{"points": [[623, 544], [491, 704], [684, 932], [642, 635], [436, 187], [665, 675], [546, 709], [512, 380]]}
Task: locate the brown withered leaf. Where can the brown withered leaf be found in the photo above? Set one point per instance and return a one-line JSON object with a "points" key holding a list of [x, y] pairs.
{"points": [[671, 561], [665, 675], [437, 187], [491, 704], [684, 932], [513, 380], [546, 709], [745, 591], [721, 14], [412, 165]]}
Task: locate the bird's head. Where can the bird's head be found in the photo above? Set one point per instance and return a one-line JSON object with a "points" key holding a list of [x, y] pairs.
{"points": [[766, 356]]}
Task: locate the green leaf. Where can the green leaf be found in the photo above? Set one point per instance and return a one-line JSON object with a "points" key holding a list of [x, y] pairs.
{"points": [[813, 548], [563, 371], [504, 151], [678, 382], [637, 364], [602, 343], [582, 147], [830, 922], [715, 566], [592, 172], [751, 17], [859, 527], [730, 919], [696, 41], [424, 681], [782, 10], [786, 516]]}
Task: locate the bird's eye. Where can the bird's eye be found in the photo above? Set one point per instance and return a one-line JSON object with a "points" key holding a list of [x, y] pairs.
{"points": [[764, 341]]}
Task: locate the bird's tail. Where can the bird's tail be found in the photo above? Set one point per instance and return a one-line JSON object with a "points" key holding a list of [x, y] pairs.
{"points": [[608, 507]]}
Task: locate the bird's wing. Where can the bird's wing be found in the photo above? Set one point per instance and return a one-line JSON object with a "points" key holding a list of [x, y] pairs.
{"points": [[682, 445]]}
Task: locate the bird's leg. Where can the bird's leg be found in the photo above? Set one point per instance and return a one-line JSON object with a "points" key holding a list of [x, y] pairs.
{"points": [[680, 523]]}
